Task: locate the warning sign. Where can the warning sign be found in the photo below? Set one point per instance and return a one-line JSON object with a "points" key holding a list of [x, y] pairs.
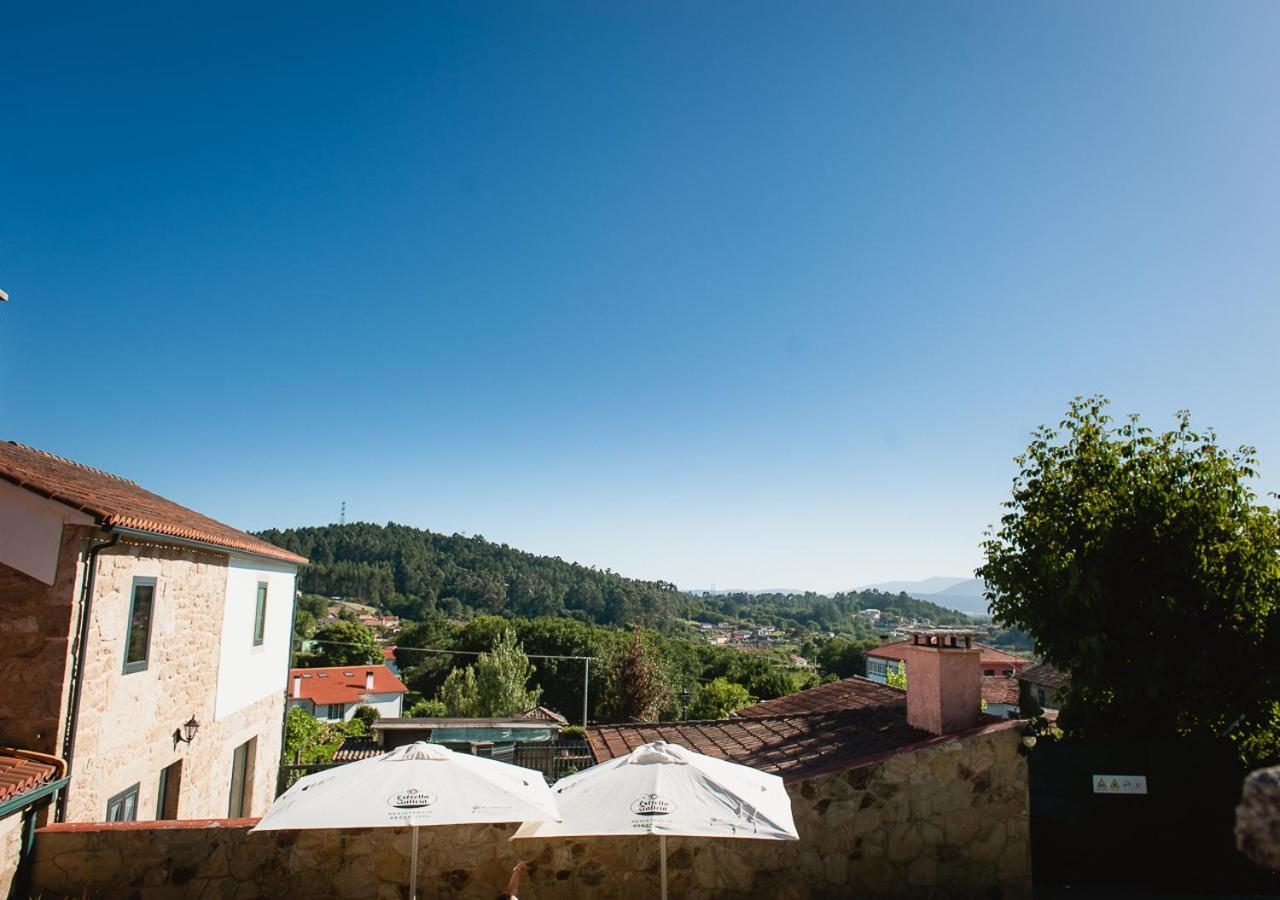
{"points": [[1119, 784]]}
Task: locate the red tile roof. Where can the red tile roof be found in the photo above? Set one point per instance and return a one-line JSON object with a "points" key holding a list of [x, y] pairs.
{"points": [[1000, 689], [21, 772], [990, 656], [354, 749], [790, 746], [1045, 675], [117, 502], [344, 684], [849, 693], [541, 713]]}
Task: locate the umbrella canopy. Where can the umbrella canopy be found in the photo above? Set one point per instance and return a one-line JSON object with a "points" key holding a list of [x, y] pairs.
{"points": [[418, 784], [666, 789]]}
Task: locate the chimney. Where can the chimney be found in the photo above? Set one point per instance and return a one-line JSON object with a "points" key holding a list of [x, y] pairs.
{"points": [[368, 680], [297, 686], [884, 639], [944, 680]]}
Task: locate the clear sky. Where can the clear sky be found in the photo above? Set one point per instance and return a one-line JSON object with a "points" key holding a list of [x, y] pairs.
{"points": [[735, 294]]}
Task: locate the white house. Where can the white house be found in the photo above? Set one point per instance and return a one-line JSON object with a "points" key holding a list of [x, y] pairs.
{"points": [[146, 646], [334, 693]]}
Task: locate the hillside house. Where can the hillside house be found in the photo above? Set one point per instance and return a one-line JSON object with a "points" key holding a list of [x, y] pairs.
{"points": [[1040, 686], [146, 645], [889, 656], [334, 693]]}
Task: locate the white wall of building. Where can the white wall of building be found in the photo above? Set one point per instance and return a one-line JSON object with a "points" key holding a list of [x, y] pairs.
{"points": [[247, 673], [32, 531], [389, 706]]}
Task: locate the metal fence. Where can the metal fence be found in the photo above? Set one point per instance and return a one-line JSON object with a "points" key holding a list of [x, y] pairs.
{"points": [[555, 760]]}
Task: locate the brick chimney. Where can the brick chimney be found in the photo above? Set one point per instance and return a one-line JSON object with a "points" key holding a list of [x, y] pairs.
{"points": [[368, 680], [944, 680], [297, 686]]}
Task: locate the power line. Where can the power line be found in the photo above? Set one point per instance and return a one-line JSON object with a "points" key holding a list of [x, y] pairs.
{"points": [[455, 652]]}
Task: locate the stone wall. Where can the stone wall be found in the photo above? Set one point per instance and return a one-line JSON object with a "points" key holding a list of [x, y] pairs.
{"points": [[947, 820], [126, 724], [10, 851], [34, 648]]}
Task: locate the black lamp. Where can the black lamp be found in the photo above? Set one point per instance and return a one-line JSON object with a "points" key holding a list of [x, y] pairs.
{"points": [[187, 732]]}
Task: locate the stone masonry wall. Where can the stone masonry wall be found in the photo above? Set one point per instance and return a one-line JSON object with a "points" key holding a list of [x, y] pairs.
{"points": [[126, 725], [947, 820], [34, 648]]}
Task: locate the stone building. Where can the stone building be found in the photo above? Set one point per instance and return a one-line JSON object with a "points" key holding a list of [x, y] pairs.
{"points": [[146, 646]]}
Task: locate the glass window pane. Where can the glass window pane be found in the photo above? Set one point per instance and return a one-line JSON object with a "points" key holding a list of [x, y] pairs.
{"points": [[140, 622], [260, 614]]}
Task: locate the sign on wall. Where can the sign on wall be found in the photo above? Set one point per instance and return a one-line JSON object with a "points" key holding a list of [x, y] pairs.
{"points": [[1119, 784]]}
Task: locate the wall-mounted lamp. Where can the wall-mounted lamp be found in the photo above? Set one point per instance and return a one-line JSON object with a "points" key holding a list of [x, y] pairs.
{"points": [[187, 732], [1028, 739]]}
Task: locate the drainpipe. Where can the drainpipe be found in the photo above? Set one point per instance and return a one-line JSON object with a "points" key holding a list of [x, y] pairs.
{"points": [[77, 664]]}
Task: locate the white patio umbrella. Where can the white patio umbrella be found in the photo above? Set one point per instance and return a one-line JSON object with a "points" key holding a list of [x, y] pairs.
{"points": [[668, 790], [418, 784]]}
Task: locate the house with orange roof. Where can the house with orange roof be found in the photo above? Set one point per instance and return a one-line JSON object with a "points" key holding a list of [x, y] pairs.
{"points": [[145, 658], [334, 693]]}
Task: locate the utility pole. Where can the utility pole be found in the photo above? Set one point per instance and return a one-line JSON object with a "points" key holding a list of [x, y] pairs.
{"points": [[586, 687], [342, 514]]}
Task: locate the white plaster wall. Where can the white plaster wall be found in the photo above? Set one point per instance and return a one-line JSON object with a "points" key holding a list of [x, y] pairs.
{"points": [[247, 673], [31, 531], [387, 705]]}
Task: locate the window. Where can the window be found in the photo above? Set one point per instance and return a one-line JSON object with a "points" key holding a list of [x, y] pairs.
{"points": [[137, 641], [989, 672], [334, 711], [242, 779], [167, 792], [876, 669], [123, 807], [260, 615]]}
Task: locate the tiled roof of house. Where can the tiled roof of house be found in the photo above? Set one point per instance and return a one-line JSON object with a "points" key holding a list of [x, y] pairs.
{"points": [[20, 773], [790, 746], [541, 713], [354, 749], [1000, 689], [1045, 675], [989, 656], [117, 502], [344, 684], [848, 693]]}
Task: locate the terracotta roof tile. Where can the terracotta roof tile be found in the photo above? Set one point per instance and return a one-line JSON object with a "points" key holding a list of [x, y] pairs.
{"points": [[849, 693], [354, 749], [20, 773], [117, 502], [343, 684], [1000, 689], [540, 713], [990, 656], [791, 746], [1044, 674]]}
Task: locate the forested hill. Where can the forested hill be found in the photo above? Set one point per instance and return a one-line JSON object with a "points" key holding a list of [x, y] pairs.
{"points": [[411, 571]]}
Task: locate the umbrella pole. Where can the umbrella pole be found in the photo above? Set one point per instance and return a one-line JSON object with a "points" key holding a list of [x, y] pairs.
{"points": [[662, 848], [413, 865]]}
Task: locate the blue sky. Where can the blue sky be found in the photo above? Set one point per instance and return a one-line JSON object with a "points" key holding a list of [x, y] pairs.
{"points": [[743, 294]]}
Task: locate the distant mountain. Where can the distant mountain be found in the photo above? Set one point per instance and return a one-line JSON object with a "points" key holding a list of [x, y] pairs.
{"points": [[933, 585], [966, 596]]}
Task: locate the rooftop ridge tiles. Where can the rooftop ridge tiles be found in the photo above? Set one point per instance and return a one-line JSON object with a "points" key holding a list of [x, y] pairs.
{"points": [[71, 462]]}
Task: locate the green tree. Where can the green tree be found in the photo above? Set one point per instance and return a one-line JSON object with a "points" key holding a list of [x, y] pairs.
{"points": [[497, 685], [427, 709], [718, 699], [896, 676], [346, 644], [636, 688], [1143, 564]]}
